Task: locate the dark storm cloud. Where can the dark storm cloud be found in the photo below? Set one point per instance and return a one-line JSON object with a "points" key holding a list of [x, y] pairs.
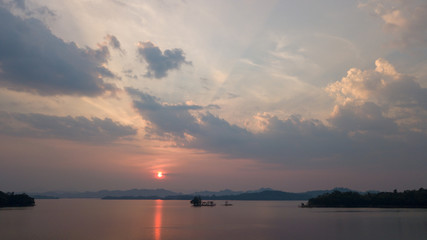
{"points": [[32, 59], [94, 130], [159, 63]]}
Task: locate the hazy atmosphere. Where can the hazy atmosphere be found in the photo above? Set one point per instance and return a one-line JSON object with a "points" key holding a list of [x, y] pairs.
{"points": [[291, 95]]}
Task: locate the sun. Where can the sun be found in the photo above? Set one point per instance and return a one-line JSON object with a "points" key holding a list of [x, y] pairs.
{"points": [[160, 175]]}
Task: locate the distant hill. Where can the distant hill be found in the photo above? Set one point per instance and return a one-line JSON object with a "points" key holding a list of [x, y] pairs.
{"points": [[104, 193], [263, 194], [226, 194], [43, 197], [270, 194], [136, 193]]}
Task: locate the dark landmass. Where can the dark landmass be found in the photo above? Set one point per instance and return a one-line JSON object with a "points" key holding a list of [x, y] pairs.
{"points": [[104, 193], [262, 195], [140, 194], [15, 200], [43, 197], [227, 192], [405, 199], [224, 192]]}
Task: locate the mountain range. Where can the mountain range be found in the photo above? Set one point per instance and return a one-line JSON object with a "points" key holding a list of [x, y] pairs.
{"points": [[260, 194]]}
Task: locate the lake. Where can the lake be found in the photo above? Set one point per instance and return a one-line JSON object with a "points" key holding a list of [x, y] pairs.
{"points": [[174, 219]]}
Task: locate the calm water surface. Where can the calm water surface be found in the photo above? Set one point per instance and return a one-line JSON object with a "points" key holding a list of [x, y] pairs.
{"points": [[157, 219]]}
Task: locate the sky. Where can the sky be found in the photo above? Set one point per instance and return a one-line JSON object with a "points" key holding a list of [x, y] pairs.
{"points": [[291, 95]]}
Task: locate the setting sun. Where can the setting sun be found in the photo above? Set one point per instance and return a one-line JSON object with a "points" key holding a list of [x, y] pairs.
{"points": [[159, 175]]}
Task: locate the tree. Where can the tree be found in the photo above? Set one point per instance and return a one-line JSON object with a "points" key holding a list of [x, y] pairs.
{"points": [[15, 200], [197, 201]]}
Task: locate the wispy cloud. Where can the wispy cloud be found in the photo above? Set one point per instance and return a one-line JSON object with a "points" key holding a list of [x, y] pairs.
{"points": [[405, 19], [80, 129]]}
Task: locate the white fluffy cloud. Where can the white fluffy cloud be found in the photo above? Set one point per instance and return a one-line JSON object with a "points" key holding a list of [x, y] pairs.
{"points": [[380, 94]]}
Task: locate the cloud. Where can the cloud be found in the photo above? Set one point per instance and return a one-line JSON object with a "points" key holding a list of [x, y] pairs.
{"points": [[379, 117], [366, 118], [113, 42], [380, 93], [28, 9], [293, 141], [19, 4], [160, 63], [33, 60], [165, 118], [81, 129], [281, 141], [406, 19]]}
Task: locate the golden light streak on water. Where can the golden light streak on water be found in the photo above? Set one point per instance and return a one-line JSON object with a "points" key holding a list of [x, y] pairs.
{"points": [[158, 219]]}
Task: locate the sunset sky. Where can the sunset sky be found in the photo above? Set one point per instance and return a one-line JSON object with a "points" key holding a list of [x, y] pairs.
{"points": [[291, 95]]}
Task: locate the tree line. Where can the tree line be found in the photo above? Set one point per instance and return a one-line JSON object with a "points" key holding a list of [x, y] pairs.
{"points": [[15, 200], [405, 199]]}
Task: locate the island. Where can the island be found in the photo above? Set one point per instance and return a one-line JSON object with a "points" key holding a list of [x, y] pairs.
{"points": [[15, 200], [395, 199], [197, 202]]}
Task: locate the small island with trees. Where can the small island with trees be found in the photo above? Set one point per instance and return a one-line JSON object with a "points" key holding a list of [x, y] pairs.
{"points": [[351, 199], [197, 202], [15, 200]]}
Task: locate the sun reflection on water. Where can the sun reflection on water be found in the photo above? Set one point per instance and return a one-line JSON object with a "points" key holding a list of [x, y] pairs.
{"points": [[158, 219]]}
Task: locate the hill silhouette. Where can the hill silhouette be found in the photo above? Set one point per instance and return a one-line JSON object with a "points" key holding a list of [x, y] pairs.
{"points": [[15, 200], [264, 194]]}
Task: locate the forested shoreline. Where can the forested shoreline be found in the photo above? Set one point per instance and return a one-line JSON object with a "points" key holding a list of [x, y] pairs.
{"points": [[15, 200], [395, 199]]}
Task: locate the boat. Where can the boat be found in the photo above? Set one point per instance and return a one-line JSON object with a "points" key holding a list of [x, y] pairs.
{"points": [[208, 203], [227, 204], [197, 202]]}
